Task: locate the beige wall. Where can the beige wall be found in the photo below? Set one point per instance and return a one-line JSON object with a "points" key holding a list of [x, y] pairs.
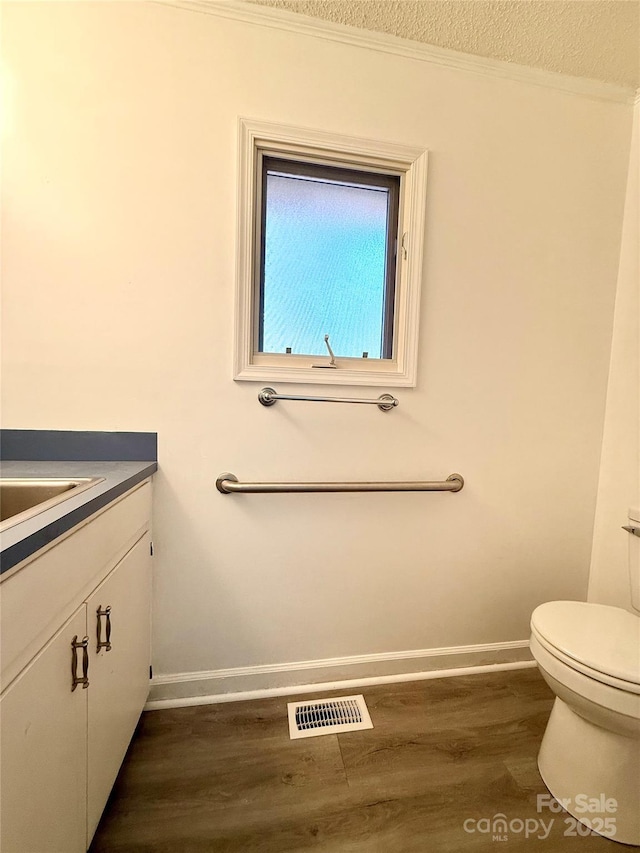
{"points": [[118, 257], [619, 485]]}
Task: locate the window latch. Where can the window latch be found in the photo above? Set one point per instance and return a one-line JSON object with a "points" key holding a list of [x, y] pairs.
{"points": [[332, 360]]}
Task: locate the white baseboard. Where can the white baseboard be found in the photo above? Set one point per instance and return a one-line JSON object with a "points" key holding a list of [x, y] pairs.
{"points": [[252, 682]]}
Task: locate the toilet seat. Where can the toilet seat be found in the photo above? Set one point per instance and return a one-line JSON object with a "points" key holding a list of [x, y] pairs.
{"points": [[599, 641]]}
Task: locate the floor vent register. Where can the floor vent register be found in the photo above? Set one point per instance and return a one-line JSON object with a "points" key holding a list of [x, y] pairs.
{"points": [[328, 716]]}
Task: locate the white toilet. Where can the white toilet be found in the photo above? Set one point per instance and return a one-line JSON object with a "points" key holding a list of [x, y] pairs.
{"points": [[589, 654]]}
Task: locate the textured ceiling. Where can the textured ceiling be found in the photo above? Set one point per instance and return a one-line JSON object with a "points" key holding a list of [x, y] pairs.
{"points": [[598, 39]]}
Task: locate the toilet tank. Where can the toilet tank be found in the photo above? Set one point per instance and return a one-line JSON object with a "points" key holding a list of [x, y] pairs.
{"points": [[634, 558]]}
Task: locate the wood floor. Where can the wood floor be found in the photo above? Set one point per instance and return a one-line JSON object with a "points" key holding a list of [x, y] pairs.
{"points": [[226, 778]]}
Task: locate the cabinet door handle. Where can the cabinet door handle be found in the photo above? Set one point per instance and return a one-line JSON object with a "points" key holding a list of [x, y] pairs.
{"points": [[75, 645], [104, 644]]}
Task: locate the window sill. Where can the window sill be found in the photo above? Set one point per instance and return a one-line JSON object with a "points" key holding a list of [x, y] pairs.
{"points": [[381, 374]]}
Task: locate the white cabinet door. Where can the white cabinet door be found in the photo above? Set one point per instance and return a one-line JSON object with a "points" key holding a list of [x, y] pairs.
{"points": [[43, 770], [120, 675]]}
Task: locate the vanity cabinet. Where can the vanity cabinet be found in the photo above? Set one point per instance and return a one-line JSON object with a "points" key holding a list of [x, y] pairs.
{"points": [[118, 673], [62, 743], [44, 746]]}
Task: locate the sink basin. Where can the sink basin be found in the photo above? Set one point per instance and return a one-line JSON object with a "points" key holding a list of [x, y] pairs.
{"points": [[21, 499]]}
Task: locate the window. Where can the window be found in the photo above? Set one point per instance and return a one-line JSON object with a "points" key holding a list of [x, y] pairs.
{"points": [[329, 257], [328, 260]]}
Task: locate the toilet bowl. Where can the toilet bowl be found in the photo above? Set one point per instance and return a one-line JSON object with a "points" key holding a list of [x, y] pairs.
{"points": [[589, 655]]}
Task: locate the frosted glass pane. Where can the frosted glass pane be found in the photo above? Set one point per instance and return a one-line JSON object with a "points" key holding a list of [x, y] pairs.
{"points": [[324, 267]]}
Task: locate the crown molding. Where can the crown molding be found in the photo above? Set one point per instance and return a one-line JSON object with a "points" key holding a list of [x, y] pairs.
{"points": [[281, 19]]}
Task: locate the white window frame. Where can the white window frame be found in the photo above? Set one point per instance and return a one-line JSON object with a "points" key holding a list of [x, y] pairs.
{"points": [[257, 138]]}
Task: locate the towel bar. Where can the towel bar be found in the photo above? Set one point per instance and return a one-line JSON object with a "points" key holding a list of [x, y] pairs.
{"points": [[385, 402]]}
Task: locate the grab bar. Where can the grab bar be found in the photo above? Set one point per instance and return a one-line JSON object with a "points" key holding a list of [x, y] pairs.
{"points": [[228, 484], [268, 396]]}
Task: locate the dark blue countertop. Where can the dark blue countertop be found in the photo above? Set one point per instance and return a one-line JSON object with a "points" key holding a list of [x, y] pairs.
{"points": [[119, 476]]}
